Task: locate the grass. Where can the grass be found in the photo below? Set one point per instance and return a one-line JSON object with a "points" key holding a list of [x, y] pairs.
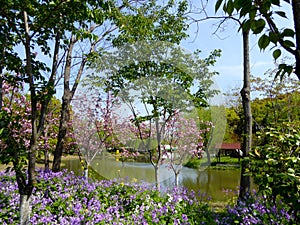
{"points": [[40, 163], [226, 162]]}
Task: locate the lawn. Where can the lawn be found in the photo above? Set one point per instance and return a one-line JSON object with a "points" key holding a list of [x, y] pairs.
{"points": [[225, 163]]}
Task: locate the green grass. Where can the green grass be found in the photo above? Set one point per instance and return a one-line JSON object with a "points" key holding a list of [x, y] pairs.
{"points": [[226, 162]]}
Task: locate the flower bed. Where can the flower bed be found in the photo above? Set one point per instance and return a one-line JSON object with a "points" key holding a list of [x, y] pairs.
{"points": [[63, 198]]}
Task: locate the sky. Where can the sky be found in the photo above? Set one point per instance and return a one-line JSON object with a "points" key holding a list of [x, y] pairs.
{"points": [[230, 64]]}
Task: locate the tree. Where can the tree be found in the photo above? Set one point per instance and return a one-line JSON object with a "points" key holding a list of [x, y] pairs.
{"points": [[15, 128], [278, 100], [39, 28], [184, 139], [91, 24], [100, 27], [260, 17], [228, 7], [92, 125], [155, 88]]}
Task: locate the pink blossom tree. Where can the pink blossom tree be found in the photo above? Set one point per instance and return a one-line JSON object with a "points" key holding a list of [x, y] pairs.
{"points": [[16, 127], [92, 124], [183, 140]]}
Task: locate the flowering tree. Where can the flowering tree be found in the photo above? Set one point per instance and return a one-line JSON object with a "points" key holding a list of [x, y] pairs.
{"points": [[16, 130], [184, 139], [92, 124]]}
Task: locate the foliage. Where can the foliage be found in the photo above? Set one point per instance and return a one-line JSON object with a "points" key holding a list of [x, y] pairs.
{"points": [[277, 102], [275, 165], [280, 100], [16, 126], [148, 71], [261, 18], [234, 125]]}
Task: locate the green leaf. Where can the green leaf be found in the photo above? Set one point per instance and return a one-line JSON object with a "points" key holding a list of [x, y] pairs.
{"points": [[276, 2], [218, 4], [238, 4], [258, 26], [263, 42], [273, 37], [288, 32], [230, 7], [246, 25], [281, 13], [289, 44], [276, 54], [247, 8]]}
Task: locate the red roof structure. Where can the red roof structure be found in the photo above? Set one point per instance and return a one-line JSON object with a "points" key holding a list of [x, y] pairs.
{"points": [[229, 149], [228, 146]]}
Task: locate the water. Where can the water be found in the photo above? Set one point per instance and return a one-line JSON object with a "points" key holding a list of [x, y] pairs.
{"points": [[218, 184]]}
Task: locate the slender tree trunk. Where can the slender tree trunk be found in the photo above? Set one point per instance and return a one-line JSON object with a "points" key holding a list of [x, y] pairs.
{"points": [[26, 187], [25, 208], [208, 156], [296, 14], [1, 91], [247, 134], [63, 127], [158, 138], [65, 114], [66, 103], [176, 179], [86, 170], [156, 174], [46, 160]]}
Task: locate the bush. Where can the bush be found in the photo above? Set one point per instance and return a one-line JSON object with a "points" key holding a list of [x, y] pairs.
{"points": [[275, 166]]}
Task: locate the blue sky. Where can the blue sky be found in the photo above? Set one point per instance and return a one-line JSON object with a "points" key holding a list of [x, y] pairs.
{"points": [[230, 65]]}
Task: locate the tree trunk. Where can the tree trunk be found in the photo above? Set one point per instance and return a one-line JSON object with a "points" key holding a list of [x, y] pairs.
{"points": [[176, 179], [25, 209], [46, 160], [65, 114], [208, 156], [63, 127], [156, 174], [25, 186], [247, 134], [66, 102], [296, 14], [1, 91], [86, 171]]}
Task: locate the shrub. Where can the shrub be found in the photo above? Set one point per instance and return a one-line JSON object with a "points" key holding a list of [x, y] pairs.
{"points": [[275, 166]]}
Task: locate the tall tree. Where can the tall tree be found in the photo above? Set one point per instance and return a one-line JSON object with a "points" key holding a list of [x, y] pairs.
{"points": [[228, 8], [163, 80], [246, 101], [40, 30], [23, 28], [95, 20], [115, 23]]}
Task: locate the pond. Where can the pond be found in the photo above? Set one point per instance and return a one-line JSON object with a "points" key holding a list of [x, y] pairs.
{"points": [[215, 183]]}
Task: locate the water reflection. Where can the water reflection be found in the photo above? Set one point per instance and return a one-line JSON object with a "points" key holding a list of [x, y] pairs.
{"points": [[210, 181]]}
